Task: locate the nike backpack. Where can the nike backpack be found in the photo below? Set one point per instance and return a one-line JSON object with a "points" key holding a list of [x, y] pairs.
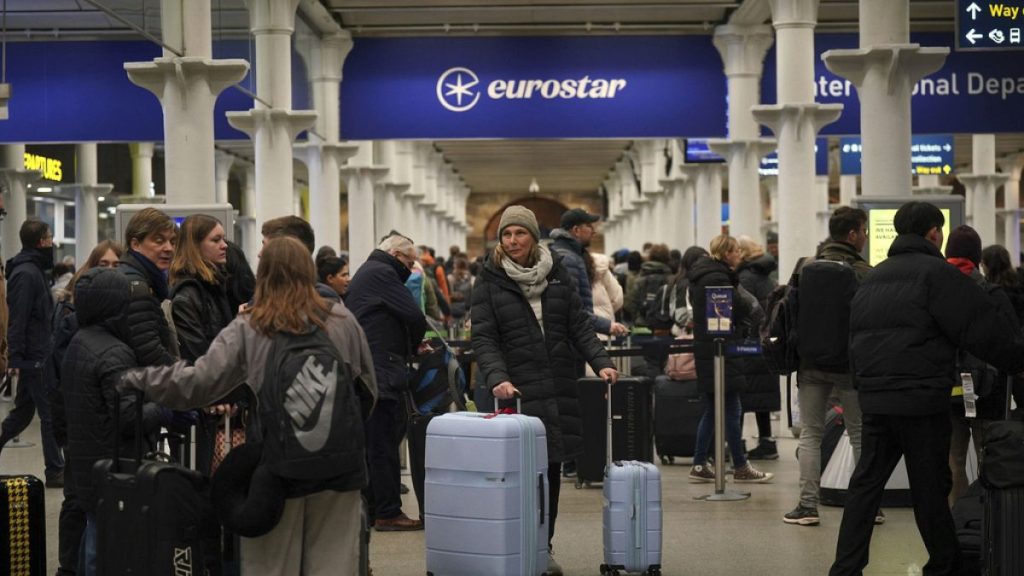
{"points": [[310, 416]]}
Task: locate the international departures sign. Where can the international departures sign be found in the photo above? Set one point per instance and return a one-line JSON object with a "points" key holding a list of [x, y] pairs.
{"points": [[989, 25]]}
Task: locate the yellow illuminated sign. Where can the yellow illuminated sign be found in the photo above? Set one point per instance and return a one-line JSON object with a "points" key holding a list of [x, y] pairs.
{"points": [[50, 167], [882, 231]]}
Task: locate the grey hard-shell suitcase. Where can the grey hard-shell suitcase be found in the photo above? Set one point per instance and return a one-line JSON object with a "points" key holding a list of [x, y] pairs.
{"points": [[486, 495], [631, 514]]}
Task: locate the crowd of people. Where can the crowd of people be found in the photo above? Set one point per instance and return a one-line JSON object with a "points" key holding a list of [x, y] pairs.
{"points": [[177, 312]]}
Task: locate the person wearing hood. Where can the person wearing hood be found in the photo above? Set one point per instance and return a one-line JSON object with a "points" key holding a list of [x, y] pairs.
{"points": [[394, 325], [655, 274], [761, 395], [150, 237], [719, 270], [95, 359], [608, 296], [529, 324], [29, 334]]}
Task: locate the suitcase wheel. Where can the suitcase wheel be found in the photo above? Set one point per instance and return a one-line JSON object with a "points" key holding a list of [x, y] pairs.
{"points": [[607, 570], [654, 571]]}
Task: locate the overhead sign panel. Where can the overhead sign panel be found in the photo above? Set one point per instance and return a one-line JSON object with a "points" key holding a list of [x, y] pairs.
{"points": [[989, 25], [929, 154], [770, 164], [533, 87]]}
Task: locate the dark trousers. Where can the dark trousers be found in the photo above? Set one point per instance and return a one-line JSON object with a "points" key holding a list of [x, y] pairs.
{"points": [[70, 527], [384, 432], [554, 489], [31, 397], [764, 424], [924, 442]]}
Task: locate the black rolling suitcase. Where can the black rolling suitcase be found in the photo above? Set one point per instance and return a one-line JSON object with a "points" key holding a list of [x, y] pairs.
{"points": [[22, 526], [632, 413], [1001, 470], [678, 407], [149, 513]]}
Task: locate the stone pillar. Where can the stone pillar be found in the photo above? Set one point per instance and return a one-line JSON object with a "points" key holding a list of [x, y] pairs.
{"points": [[15, 180], [224, 163], [981, 186], [679, 213], [796, 120], [323, 163], [743, 49], [142, 169], [885, 69], [709, 203], [252, 240], [824, 210], [187, 86], [362, 175], [87, 191], [1012, 167], [847, 189], [272, 124]]}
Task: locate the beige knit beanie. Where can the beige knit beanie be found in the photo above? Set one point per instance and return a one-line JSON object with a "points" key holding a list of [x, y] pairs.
{"points": [[519, 216]]}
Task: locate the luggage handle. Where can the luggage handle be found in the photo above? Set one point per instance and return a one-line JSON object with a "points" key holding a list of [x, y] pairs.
{"points": [[1009, 395], [541, 493], [519, 403], [608, 432]]}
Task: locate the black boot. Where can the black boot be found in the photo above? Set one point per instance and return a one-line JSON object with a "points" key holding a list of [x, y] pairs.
{"points": [[766, 450]]}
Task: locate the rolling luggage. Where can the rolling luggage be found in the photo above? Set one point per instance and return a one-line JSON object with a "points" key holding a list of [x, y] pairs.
{"points": [[631, 516], [486, 495], [1002, 473], [149, 514], [22, 526], [678, 407], [632, 422]]}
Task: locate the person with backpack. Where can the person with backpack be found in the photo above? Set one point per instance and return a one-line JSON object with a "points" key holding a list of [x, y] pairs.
{"points": [[824, 296], [650, 306], [907, 320], [308, 362]]}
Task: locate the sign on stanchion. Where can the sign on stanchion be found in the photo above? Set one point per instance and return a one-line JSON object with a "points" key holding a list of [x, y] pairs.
{"points": [[719, 323], [8, 392]]}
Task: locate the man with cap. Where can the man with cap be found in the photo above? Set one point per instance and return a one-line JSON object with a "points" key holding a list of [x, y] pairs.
{"points": [[907, 321]]}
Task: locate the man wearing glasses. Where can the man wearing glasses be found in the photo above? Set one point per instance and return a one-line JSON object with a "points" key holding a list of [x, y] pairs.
{"points": [[394, 327]]}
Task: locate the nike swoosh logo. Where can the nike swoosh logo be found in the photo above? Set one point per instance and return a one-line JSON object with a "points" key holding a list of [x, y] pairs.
{"points": [[309, 384]]}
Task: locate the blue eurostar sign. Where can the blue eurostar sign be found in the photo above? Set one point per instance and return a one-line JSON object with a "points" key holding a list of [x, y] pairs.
{"points": [[989, 25]]}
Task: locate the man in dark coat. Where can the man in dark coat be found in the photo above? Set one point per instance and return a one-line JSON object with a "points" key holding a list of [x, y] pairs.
{"points": [[907, 320], [29, 334], [394, 327], [149, 237]]}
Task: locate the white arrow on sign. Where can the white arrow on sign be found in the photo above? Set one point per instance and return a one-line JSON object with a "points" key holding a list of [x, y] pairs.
{"points": [[947, 147], [973, 36], [974, 9]]}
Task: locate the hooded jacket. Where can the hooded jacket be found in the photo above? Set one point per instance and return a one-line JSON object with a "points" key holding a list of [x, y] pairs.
{"points": [[569, 248], [710, 272], [95, 359], [653, 277], [907, 320], [392, 320], [608, 296], [150, 334], [510, 345], [756, 276], [238, 356], [200, 311], [31, 309]]}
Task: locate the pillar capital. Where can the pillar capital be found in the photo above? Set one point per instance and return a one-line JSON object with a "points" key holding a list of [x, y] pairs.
{"points": [[1011, 165], [324, 56], [87, 189], [743, 48], [993, 180], [341, 152], [794, 13], [272, 16], [903, 64], [252, 121], [809, 119], [742, 151], [374, 172], [184, 75]]}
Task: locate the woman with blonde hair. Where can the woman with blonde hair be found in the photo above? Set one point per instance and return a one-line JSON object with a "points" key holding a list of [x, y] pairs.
{"points": [[316, 530]]}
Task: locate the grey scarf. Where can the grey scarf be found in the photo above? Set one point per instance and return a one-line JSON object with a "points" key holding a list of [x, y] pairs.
{"points": [[532, 281]]}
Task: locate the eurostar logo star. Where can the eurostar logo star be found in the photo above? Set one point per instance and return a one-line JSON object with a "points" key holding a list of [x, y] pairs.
{"points": [[456, 89]]}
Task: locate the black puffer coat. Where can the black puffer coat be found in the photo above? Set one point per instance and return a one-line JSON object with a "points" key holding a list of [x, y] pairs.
{"points": [[31, 309], [710, 272], [151, 337], [200, 311], [907, 320], [756, 276], [761, 393], [93, 363], [509, 346]]}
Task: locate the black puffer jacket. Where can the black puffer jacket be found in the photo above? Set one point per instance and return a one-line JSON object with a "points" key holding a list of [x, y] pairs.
{"points": [[653, 277], [906, 322], [200, 311], [93, 363], [151, 337], [710, 272], [509, 346], [392, 320], [756, 276], [31, 309]]}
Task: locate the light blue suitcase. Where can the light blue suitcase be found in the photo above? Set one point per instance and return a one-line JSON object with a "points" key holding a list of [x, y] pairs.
{"points": [[486, 495], [631, 514]]}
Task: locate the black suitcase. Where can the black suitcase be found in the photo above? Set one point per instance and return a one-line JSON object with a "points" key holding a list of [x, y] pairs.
{"points": [[22, 526], [1003, 532], [678, 408], [632, 428], [149, 514]]}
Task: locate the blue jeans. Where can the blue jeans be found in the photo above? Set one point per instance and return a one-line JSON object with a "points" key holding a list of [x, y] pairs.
{"points": [[733, 430], [87, 553]]}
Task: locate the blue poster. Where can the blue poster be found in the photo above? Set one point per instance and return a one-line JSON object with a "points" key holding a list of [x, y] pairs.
{"points": [[718, 306], [533, 87], [929, 154]]}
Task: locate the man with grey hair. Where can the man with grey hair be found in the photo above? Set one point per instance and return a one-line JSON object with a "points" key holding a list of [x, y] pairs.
{"points": [[394, 327]]}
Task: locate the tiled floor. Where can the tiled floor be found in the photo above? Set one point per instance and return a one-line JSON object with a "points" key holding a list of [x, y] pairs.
{"points": [[701, 538]]}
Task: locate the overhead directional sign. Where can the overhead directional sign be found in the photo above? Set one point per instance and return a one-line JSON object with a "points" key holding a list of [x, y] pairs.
{"points": [[770, 164], [929, 155], [989, 25]]}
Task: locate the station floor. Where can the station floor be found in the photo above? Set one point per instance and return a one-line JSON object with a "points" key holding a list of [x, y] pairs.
{"points": [[701, 538]]}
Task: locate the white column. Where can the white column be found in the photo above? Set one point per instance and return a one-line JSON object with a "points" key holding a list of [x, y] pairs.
{"points": [[709, 203], [86, 193], [678, 220], [142, 169], [252, 241], [272, 124], [981, 186], [743, 49], [796, 120], [187, 87], [361, 174], [847, 189], [1012, 167], [824, 210], [324, 57], [224, 163], [15, 180], [885, 69]]}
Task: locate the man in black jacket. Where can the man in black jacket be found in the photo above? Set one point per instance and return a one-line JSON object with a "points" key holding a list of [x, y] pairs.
{"points": [[31, 307], [149, 237], [394, 327], [907, 320]]}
